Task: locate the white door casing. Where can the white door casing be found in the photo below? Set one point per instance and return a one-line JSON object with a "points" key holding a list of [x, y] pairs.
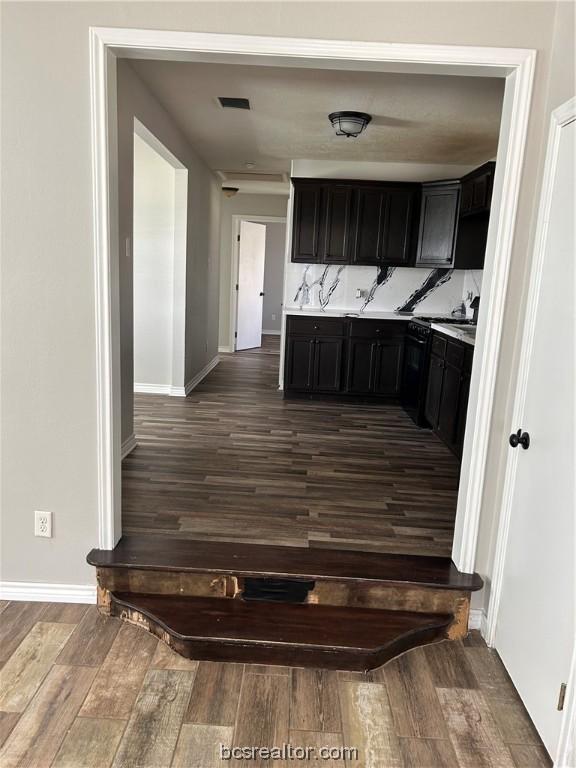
{"points": [[531, 620], [516, 65], [251, 257]]}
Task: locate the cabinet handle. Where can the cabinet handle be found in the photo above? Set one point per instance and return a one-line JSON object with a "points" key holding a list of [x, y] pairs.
{"points": [[378, 330], [316, 327]]}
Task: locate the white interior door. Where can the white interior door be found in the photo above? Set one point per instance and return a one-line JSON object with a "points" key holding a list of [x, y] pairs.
{"points": [[251, 254], [535, 625]]}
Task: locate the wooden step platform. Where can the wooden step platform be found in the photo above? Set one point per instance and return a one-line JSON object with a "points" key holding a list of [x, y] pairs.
{"points": [[241, 560], [283, 605], [303, 635]]}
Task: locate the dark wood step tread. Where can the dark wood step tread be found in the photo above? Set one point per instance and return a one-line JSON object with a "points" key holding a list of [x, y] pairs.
{"points": [[189, 555], [285, 633]]}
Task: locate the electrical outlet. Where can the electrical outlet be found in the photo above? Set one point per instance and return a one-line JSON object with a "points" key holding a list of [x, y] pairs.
{"points": [[361, 293], [43, 524]]}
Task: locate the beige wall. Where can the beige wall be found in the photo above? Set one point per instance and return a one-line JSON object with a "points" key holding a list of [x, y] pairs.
{"points": [[48, 392], [253, 205], [203, 235]]}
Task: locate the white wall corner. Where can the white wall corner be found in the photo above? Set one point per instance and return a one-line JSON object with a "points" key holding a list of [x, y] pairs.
{"points": [[128, 445], [195, 380], [47, 593]]}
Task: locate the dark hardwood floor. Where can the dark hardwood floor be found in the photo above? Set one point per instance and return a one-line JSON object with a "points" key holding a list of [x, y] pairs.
{"points": [[236, 462]]}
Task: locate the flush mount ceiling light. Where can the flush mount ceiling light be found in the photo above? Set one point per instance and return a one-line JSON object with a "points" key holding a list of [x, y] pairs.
{"points": [[349, 123], [230, 191]]}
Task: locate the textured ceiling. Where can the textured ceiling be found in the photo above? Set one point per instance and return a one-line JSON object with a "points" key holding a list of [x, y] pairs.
{"points": [[416, 118]]}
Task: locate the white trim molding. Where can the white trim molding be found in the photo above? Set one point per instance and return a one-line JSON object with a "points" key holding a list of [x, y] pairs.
{"points": [[128, 445], [516, 65], [225, 350], [195, 380], [39, 592], [271, 333]]}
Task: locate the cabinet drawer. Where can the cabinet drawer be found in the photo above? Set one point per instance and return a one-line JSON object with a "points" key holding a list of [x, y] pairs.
{"points": [[316, 326], [377, 329], [454, 353], [438, 345]]}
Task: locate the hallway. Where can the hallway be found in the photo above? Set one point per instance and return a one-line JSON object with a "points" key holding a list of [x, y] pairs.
{"points": [[235, 462]]}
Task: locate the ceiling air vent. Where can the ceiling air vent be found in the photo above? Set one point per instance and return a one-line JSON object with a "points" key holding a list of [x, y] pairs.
{"points": [[230, 102]]}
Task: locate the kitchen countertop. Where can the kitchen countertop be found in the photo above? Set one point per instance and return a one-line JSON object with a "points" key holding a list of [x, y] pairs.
{"points": [[349, 313], [466, 334]]}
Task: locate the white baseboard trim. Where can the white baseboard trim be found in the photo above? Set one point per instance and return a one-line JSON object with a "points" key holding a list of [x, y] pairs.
{"points": [[38, 592], [271, 333], [226, 349], [152, 389], [477, 620], [190, 385], [128, 446]]}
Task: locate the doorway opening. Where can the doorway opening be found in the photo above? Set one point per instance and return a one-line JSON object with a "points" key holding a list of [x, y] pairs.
{"points": [[257, 296], [515, 66], [159, 265]]}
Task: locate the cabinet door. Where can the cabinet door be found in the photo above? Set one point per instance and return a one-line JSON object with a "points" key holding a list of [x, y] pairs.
{"points": [[337, 222], [388, 373], [306, 223], [328, 364], [462, 410], [434, 391], [397, 231], [299, 368], [370, 218], [361, 365], [448, 410], [438, 226]]}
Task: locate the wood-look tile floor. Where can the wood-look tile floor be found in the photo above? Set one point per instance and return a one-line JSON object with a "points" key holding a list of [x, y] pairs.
{"points": [[234, 461], [79, 690]]}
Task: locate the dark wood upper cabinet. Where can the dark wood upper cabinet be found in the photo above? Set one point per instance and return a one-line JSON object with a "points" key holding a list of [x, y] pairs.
{"points": [[438, 224], [385, 218], [399, 227], [477, 190], [306, 223], [474, 218], [336, 219], [371, 205], [377, 223], [354, 222]]}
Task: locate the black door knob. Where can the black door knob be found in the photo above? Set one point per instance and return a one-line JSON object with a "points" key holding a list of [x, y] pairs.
{"points": [[261, 293], [520, 438]]}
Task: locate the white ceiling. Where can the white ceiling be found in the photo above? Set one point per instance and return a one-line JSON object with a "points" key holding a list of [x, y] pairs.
{"points": [[433, 119]]}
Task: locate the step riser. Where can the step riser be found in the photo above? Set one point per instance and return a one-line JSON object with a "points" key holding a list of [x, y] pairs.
{"points": [[325, 592], [229, 651]]}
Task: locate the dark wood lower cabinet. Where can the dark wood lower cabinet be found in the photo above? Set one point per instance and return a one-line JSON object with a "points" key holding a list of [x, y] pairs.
{"points": [[328, 356], [434, 391], [357, 357], [448, 411], [299, 363], [448, 389]]}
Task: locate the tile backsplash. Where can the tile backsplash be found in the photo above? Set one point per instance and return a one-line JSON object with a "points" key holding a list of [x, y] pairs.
{"points": [[430, 291]]}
